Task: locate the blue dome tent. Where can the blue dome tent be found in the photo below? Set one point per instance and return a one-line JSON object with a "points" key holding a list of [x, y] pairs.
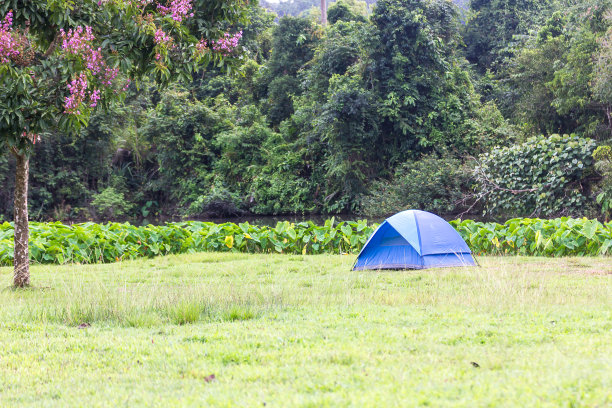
{"points": [[414, 239]]}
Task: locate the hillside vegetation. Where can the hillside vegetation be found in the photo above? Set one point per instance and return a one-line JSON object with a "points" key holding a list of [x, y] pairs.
{"points": [[503, 110]]}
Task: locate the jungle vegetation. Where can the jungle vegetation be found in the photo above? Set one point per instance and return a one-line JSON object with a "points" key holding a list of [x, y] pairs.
{"points": [[392, 105]]}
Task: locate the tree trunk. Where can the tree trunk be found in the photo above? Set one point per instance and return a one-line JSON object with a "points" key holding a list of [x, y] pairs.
{"points": [[22, 231], [323, 13]]}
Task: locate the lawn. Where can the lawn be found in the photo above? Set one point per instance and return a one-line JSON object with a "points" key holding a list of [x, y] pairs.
{"points": [[218, 329]]}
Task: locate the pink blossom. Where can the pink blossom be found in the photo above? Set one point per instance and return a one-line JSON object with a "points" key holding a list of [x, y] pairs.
{"points": [[7, 23], [180, 9], [224, 45], [79, 96], [161, 37], [94, 61], [78, 42], [227, 43], [201, 46], [109, 76], [94, 97], [77, 88], [8, 45]]}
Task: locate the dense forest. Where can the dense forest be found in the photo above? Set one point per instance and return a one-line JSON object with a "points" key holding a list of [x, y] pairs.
{"points": [[302, 8], [502, 109]]}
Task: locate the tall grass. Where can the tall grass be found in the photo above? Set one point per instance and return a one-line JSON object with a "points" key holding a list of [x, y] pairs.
{"points": [[75, 298], [187, 289]]}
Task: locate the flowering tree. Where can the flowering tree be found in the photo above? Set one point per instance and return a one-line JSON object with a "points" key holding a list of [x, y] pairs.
{"points": [[60, 60]]}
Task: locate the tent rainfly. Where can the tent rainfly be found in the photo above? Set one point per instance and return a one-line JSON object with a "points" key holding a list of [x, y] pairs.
{"points": [[414, 239]]}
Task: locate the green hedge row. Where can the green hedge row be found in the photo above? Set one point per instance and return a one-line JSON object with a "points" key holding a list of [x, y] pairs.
{"points": [[533, 236], [93, 243]]}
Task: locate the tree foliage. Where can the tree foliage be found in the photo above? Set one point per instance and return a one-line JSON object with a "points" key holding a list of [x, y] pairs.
{"points": [[347, 10], [493, 25], [314, 119]]}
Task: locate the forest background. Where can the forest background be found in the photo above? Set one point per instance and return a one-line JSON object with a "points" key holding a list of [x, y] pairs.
{"points": [[499, 108]]}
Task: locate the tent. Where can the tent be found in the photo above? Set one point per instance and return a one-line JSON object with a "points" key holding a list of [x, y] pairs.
{"points": [[414, 239]]}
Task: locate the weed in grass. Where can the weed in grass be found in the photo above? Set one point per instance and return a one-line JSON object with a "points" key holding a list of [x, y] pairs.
{"points": [[340, 359], [236, 357], [186, 312], [197, 339], [142, 319], [235, 313]]}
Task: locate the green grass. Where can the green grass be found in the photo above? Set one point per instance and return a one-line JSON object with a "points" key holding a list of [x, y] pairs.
{"points": [[289, 330]]}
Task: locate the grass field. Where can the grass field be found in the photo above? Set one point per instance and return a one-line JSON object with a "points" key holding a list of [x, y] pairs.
{"points": [[280, 330]]}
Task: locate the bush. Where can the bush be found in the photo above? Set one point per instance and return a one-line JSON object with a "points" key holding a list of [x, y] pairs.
{"points": [[218, 202], [110, 204], [603, 155], [431, 184], [343, 10], [543, 176]]}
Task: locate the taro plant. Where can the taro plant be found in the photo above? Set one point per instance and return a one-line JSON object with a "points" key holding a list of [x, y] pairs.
{"points": [[99, 243], [533, 236]]}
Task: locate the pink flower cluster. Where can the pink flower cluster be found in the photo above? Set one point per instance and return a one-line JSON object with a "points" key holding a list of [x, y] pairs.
{"points": [[8, 45], [109, 76], [227, 44], [79, 95], [161, 37], [78, 42], [180, 9], [94, 97], [7, 23], [224, 45]]}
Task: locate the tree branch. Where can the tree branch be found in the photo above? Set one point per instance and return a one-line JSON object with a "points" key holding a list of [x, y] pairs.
{"points": [[52, 46]]}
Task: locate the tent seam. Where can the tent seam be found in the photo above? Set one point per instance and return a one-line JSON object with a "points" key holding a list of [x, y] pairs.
{"points": [[416, 222]]}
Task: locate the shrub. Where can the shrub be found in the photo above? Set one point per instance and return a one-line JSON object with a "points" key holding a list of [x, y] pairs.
{"points": [[92, 243], [603, 155], [217, 202], [110, 204], [431, 184], [543, 176]]}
